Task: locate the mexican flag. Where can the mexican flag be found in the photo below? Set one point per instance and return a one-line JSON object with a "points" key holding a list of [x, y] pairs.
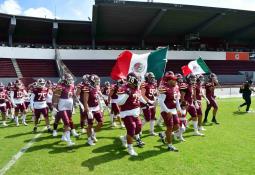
{"points": [[196, 67], [140, 63]]}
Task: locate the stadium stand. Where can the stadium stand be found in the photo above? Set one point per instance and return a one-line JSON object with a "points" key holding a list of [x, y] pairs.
{"points": [[6, 68], [37, 68]]}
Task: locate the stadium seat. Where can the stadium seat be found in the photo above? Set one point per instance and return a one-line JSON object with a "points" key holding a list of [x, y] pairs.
{"points": [[6, 68]]}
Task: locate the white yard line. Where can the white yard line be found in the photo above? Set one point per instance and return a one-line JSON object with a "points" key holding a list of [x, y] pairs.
{"points": [[16, 157]]}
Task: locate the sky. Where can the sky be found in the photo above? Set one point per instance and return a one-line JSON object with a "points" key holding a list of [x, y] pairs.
{"points": [[82, 9]]}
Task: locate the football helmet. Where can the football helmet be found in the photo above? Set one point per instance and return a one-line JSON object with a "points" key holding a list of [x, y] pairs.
{"points": [[68, 79], [169, 73], [179, 78], [213, 77], [94, 80], [40, 83], [149, 77], [200, 78], [18, 83], [107, 84], [191, 78], [85, 78], [133, 79]]}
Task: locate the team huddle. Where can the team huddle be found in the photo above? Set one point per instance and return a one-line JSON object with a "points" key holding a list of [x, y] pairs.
{"points": [[130, 102]]}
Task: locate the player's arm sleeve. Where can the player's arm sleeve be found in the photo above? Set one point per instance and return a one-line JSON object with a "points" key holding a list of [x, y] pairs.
{"points": [[32, 97], [122, 98], [12, 97], [161, 100], [178, 106]]}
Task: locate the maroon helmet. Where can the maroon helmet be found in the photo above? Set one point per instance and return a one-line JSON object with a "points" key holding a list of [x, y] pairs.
{"points": [[133, 79]]}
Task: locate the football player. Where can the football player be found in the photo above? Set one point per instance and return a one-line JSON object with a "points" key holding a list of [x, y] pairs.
{"points": [[3, 99], [115, 111], [17, 96], [92, 108], [199, 96], [149, 93], [209, 91], [63, 106], [129, 97], [38, 103], [80, 93], [168, 95]]}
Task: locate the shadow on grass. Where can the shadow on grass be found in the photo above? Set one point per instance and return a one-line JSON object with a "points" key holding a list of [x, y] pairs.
{"points": [[19, 134], [150, 153], [239, 113], [112, 152]]}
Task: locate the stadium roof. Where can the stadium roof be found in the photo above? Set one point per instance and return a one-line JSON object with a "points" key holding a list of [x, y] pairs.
{"points": [[143, 20], [40, 30]]}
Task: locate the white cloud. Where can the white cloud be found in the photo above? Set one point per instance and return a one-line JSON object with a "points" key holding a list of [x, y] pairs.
{"points": [[41, 12], [10, 7]]}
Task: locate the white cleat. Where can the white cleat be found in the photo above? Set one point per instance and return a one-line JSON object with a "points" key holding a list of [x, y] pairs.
{"points": [[70, 143], [182, 139], [153, 134], [122, 125], [54, 133], [123, 141], [24, 123], [114, 125], [83, 131], [196, 133], [201, 128], [74, 133], [91, 142], [132, 152], [4, 124], [63, 138]]}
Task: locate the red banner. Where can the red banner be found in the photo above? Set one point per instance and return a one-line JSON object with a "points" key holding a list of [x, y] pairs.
{"points": [[238, 56]]}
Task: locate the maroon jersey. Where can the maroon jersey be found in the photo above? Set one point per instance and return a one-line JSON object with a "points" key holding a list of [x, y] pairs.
{"points": [[171, 95], [3, 96], [82, 86], [66, 91], [106, 90], [115, 90], [199, 91], [209, 90], [133, 101], [189, 92], [19, 93], [150, 91], [40, 94], [93, 100]]}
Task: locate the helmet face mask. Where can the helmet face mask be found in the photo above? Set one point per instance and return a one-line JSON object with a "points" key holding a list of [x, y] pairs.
{"points": [[150, 77], [120, 82], [179, 78], [41, 83], [200, 79], [107, 84], [191, 79], [18, 84], [68, 79], [213, 77], [85, 78], [94, 80]]}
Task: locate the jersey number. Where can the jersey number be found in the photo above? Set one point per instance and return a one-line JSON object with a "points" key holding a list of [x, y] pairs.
{"points": [[41, 96]]}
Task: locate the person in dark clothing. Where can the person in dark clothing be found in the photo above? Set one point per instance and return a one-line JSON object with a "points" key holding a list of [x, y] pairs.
{"points": [[246, 90]]}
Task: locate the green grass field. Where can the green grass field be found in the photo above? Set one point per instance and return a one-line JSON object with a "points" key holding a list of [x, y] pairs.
{"points": [[227, 148]]}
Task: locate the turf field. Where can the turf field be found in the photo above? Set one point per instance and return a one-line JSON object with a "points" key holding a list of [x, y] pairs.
{"points": [[226, 149]]}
